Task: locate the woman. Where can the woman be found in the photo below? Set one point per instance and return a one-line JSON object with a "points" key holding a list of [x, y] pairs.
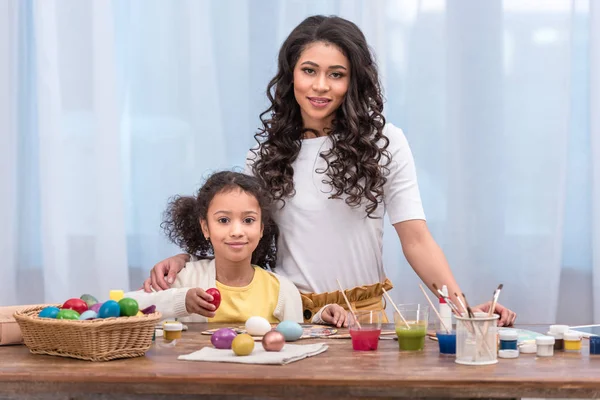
{"points": [[334, 167]]}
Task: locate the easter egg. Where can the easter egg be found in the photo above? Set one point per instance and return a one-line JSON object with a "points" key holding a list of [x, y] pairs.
{"points": [[222, 338], [76, 305], [89, 314], [149, 310], [89, 299], [257, 326], [242, 344], [214, 292], [109, 309], [129, 307], [67, 313], [48, 312], [273, 341], [291, 330]]}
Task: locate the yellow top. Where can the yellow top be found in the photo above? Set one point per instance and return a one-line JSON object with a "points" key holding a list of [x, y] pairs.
{"points": [[259, 298]]}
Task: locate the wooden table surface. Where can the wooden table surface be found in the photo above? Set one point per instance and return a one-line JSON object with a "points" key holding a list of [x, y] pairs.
{"points": [[340, 372]]}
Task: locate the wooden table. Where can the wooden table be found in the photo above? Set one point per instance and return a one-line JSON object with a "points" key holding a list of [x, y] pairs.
{"points": [[337, 373]]}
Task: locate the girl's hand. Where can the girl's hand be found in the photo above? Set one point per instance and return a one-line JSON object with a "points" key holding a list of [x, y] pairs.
{"points": [[335, 315], [197, 301], [507, 317]]}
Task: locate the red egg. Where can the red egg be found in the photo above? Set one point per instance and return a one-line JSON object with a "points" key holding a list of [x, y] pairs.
{"points": [[76, 305], [216, 297], [273, 341]]}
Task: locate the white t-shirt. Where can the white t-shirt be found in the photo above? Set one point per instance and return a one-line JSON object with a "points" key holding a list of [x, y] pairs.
{"points": [[324, 239]]}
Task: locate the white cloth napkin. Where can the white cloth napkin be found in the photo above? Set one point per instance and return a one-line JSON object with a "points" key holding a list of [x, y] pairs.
{"points": [[289, 354]]}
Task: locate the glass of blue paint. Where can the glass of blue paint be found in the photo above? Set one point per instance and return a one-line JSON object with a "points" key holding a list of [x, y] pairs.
{"points": [[447, 342], [595, 345]]}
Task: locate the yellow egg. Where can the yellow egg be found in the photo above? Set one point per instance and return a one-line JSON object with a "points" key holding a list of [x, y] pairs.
{"points": [[243, 344], [139, 314]]}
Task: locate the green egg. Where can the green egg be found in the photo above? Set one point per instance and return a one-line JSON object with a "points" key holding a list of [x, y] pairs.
{"points": [[89, 299], [129, 307], [67, 314]]}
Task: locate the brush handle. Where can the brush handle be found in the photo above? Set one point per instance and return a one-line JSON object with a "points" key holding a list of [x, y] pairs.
{"points": [[434, 310]]}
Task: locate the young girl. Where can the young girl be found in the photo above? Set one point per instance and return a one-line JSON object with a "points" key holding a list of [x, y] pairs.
{"points": [[335, 167], [229, 219]]}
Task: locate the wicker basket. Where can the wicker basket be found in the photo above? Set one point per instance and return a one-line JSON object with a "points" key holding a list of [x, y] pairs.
{"points": [[94, 340]]}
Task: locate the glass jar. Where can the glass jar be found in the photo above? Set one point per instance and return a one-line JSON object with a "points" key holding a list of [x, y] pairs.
{"points": [[508, 339], [545, 346], [572, 341]]}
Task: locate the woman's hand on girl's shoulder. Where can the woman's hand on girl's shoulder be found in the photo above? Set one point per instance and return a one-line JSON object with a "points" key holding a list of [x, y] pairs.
{"points": [[197, 301], [335, 315], [169, 267]]}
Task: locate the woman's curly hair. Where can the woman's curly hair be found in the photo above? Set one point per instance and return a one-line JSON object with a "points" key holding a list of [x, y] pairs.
{"points": [[357, 163], [182, 218]]}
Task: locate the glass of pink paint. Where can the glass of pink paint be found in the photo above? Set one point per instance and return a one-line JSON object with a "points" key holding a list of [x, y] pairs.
{"points": [[365, 329]]}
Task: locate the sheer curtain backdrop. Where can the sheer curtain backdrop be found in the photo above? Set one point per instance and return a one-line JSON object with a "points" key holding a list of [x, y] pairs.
{"points": [[109, 108]]}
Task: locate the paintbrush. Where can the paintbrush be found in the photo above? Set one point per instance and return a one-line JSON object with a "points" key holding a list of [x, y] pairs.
{"points": [[470, 313], [396, 308], [495, 300], [348, 304], [461, 302], [493, 305]]}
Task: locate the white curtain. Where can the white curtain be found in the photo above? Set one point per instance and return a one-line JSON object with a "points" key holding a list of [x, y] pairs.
{"points": [[107, 109]]}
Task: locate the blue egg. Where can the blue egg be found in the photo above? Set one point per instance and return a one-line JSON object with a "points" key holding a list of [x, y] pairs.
{"points": [[89, 314], [49, 312], [109, 309], [291, 330]]}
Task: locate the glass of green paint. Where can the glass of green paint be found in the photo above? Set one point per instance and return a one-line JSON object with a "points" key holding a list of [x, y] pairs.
{"points": [[411, 326]]}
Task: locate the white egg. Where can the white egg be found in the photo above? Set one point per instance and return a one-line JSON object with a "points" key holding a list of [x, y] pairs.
{"points": [[257, 326]]}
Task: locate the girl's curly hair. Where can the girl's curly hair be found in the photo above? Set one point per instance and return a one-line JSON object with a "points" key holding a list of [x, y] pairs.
{"points": [[182, 218], [357, 163]]}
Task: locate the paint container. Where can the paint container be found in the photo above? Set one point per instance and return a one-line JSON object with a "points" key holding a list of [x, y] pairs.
{"points": [[412, 338], [594, 345], [172, 331], [508, 353], [365, 333], [558, 332], [445, 311], [528, 348], [545, 346], [572, 342], [508, 339], [559, 342], [447, 342]]}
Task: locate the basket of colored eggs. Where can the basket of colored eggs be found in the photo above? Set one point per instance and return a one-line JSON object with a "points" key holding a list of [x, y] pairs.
{"points": [[85, 329]]}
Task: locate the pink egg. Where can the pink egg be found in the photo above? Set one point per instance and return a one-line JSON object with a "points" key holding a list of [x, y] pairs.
{"points": [[96, 307], [222, 338]]}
